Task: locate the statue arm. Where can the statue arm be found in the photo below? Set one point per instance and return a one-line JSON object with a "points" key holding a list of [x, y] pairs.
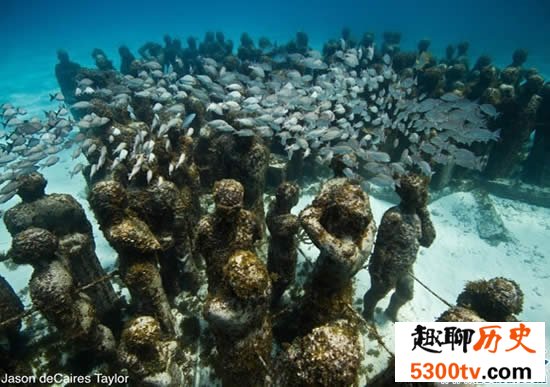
{"points": [[201, 243], [257, 229], [427, 227], [283, 225], [367, 243], [310, 220]]}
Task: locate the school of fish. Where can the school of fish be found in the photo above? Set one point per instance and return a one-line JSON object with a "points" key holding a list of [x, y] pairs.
{"points": [[351, 105]]}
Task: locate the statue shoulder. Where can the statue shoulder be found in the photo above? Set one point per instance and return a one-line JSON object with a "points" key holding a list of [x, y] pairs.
{"points": [[393, 215]]}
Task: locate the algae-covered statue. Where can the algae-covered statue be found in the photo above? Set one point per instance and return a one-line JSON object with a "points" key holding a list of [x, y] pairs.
{"points": [[150, 359], [328, 356], [11, 309], [245, 159], [126, 61], [283, 242], [238, 316], [138, 250], [340, 223], [64, 217], [403, 229], [101, 61], [497, 299], [228, 229], [65, 73], [239, 288], [168, 214], [54, 294]]}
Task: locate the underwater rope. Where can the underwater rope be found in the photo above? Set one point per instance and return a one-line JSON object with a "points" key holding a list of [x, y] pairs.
{"points": [[430, 290], [371, 327], [304, 238], [79, 289]]}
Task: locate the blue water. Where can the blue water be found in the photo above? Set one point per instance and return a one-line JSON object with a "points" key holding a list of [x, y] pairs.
{"points": [[32, 30]]}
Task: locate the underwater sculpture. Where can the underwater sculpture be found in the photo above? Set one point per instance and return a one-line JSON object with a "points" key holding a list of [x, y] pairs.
{"points": [[163, 185], [459, 314], [10, 308], [247, 51], [537, 165], [126, 61], [13, 341], [152, 51], [54, 294], [65, 72], [403, 229], [339, 223], [517, 97], [101, 61], [64, 217], [228, 229], [497, 299], [167, 212], [170, 51], [283, 238], [246, 160], [239, 287], [170, 209], [237, 312], [215, 46], [137, 249], [391, 42], [151, 359], [313, 118], [328, 356]]}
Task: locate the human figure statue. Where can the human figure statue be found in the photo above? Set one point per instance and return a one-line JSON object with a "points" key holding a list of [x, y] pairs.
{"points": [[101, 61], [329, 355], [54, 293], [152, 51], [11, 308], [403, 229], [238, 316], [283, 242], [150, 358], [64, 217], [172, 51], [340, 223], [245, 159], [497, 299], [66, 72], [137, 249], [228, 229], [126, 60]]}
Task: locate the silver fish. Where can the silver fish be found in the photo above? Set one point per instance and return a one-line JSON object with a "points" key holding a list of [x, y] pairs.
{"points": [[12, 186], [76, 169], [187, 121], [50, 161]]}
